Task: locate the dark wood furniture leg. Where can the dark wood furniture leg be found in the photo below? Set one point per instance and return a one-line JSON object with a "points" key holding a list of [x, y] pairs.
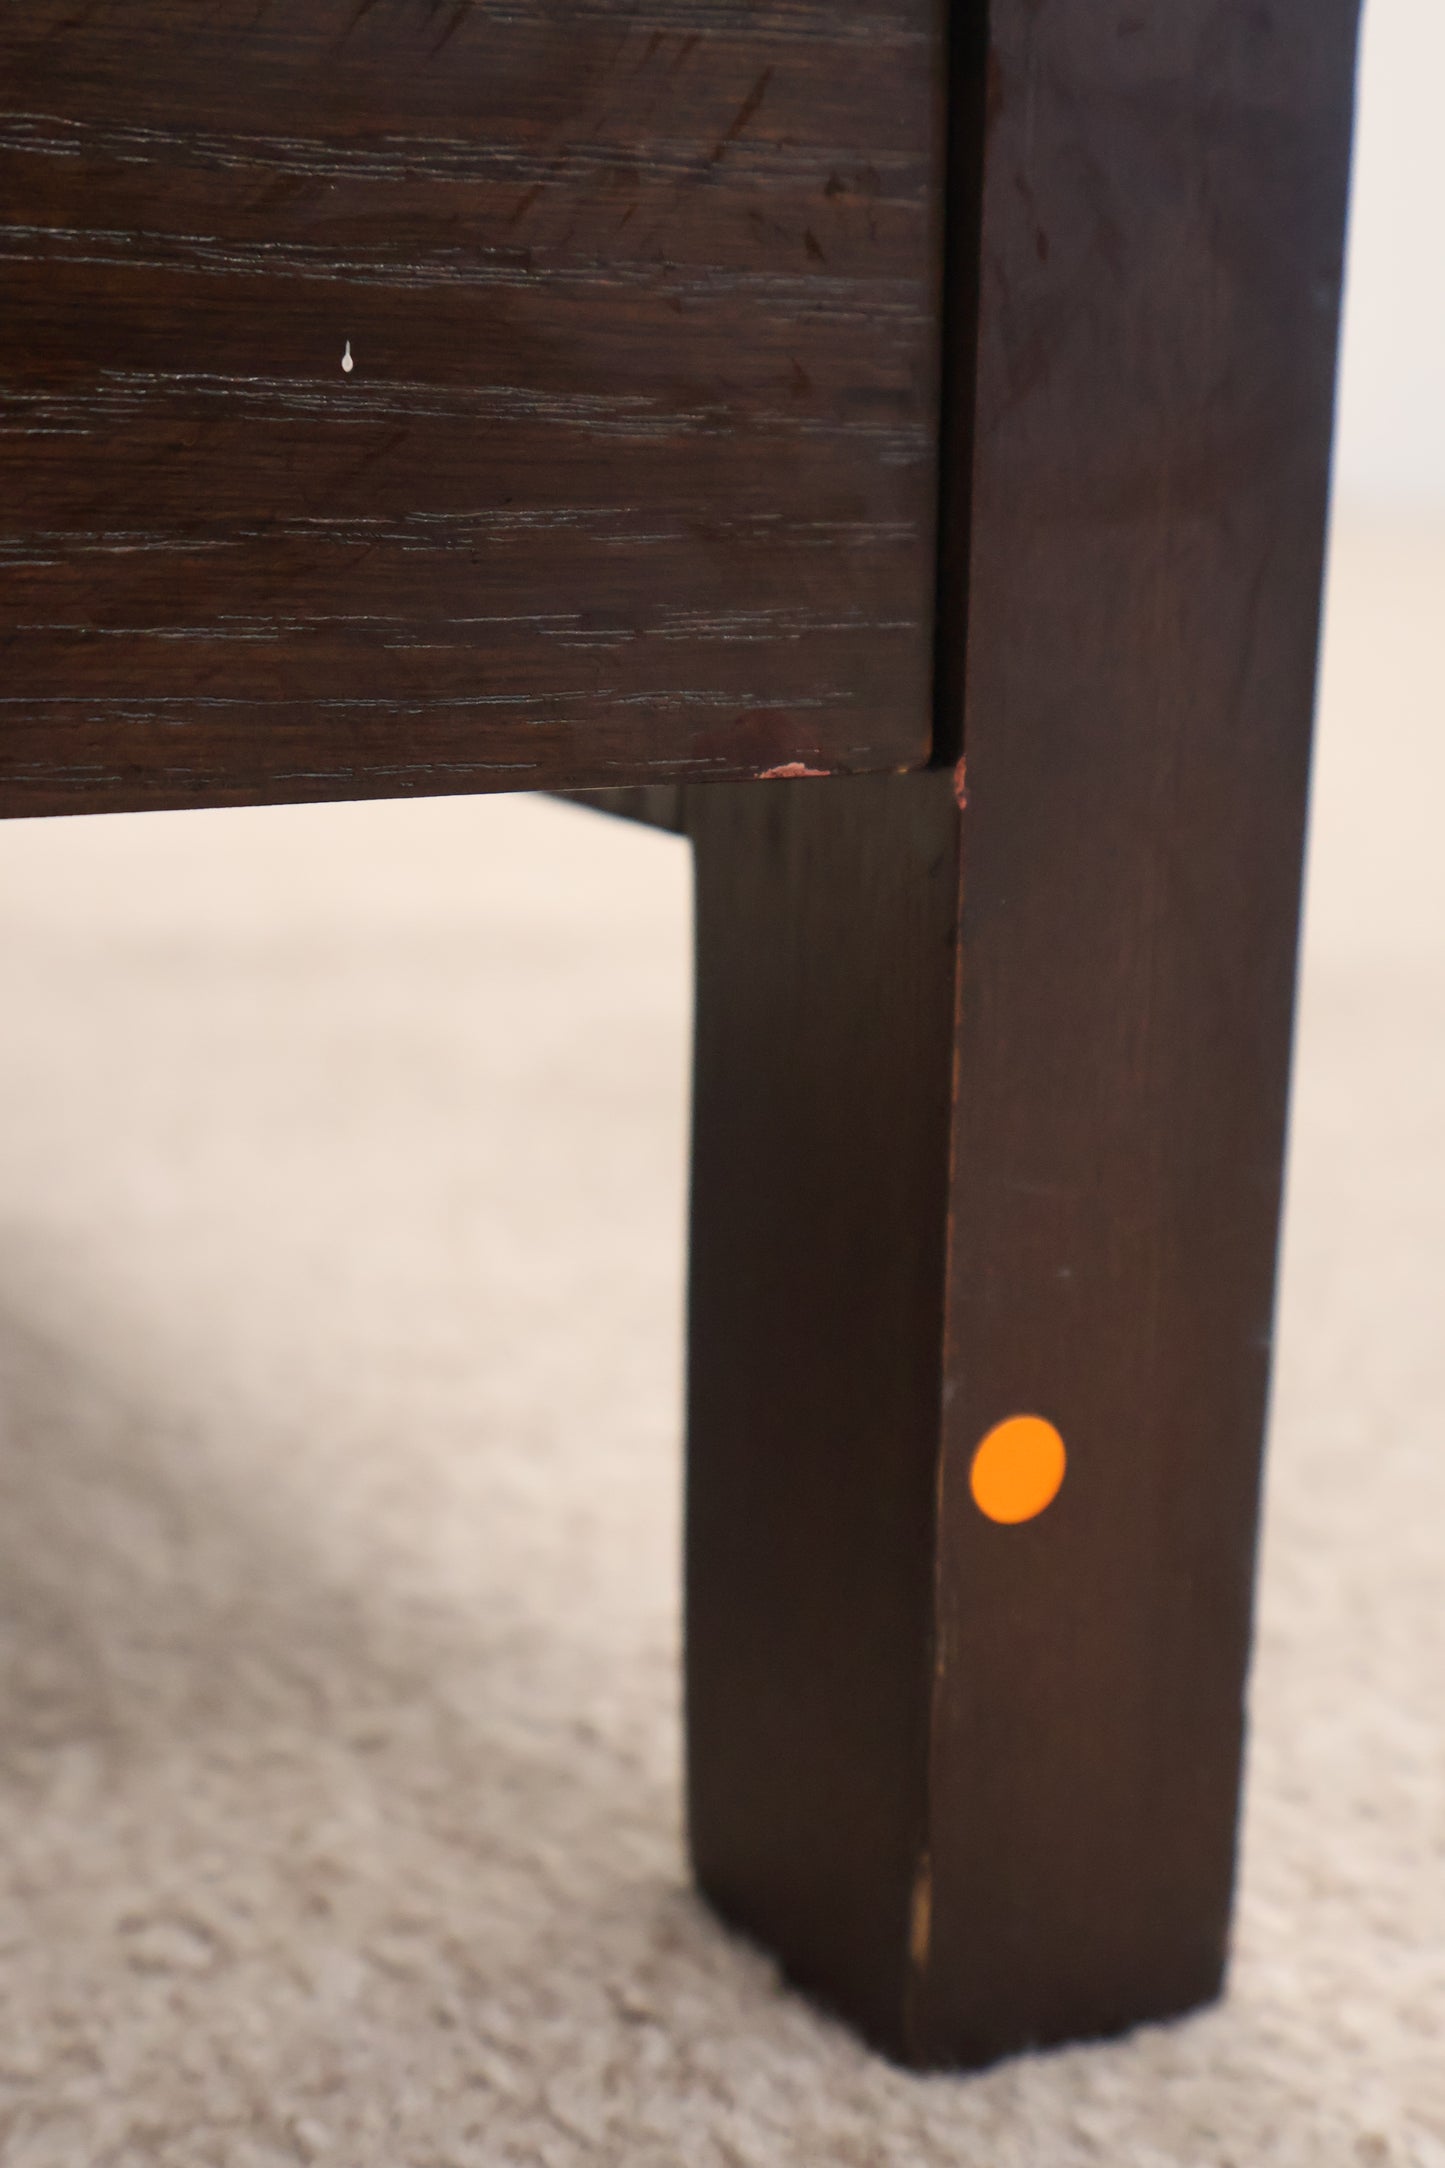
{"points": [[990, 1099], [975, 1783]]}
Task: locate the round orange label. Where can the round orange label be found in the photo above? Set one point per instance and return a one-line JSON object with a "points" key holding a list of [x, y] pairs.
{"points": [[1017, 1469]]}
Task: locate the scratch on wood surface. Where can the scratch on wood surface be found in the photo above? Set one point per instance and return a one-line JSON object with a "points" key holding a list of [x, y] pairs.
{"points": [[458, 16], [742, 116], [787, 770]]}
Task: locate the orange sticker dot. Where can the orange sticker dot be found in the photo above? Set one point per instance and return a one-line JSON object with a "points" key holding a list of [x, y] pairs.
{"points": [[1017, 1469]]}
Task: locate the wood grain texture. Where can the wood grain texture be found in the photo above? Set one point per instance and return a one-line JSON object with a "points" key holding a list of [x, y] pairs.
{"points": [[633, 476], [990, 1111]]}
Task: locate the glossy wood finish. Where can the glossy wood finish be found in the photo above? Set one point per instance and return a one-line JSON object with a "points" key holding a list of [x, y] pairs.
{"points": [[991, 1099], [633, 476]]}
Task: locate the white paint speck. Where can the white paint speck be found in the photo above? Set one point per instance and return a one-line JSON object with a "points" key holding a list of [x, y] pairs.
{"points": [[346, 361]]}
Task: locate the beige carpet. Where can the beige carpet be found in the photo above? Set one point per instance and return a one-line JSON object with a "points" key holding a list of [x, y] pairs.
{"points": [[341, 1164]]}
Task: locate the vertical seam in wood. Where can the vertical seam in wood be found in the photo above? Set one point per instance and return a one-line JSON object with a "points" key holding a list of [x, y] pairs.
{"points": [[960, 260], [921, 1900]]}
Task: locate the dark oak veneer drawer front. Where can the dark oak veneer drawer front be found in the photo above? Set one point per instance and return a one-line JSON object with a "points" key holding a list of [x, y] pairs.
{"points": [[634, 471]]}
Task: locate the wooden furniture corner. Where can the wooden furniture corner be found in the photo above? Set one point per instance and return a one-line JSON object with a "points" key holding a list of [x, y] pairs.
{"points": [[889, 443]]}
